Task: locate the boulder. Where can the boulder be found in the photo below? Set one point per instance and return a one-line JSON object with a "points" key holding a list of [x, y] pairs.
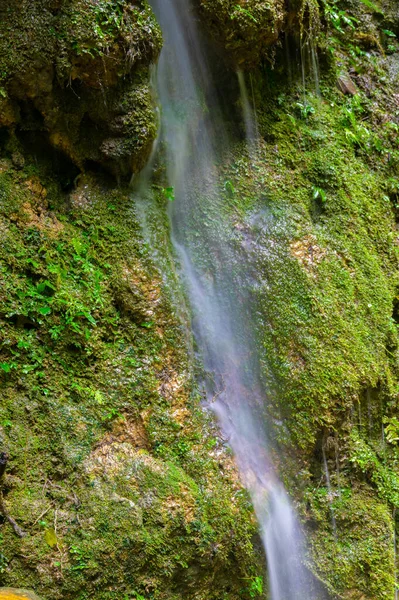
{"points": [[16, 594]]}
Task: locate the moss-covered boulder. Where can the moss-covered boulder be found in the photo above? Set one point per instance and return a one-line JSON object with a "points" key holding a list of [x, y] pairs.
{"points": [[75, 74], [244, 29]]}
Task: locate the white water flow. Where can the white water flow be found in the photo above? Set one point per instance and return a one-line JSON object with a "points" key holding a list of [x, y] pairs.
{"points": [[251, 125], [330, 494], [193, 133]]}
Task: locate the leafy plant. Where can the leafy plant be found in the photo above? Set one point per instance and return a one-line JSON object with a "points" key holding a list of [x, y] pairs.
{"points": [[3, 563], [256, 587], [318, 194], [372, 6], [7, 367], [229, 187], [79, 558], [305, 110], [169, 193], [391, 429], [389, 33], [339, 19]]}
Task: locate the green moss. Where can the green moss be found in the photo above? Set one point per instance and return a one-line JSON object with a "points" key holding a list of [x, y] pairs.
{"points": [[360, 556], [114, 469], [313, 213], [245, 31]]}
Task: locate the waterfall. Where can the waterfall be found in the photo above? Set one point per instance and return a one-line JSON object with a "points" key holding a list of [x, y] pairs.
{"points": [[193, 133], [251, 125]]}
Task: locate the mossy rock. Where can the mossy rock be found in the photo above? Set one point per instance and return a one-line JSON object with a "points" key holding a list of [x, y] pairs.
{"points": [[245, 32], [16, 594], [74, 75]]}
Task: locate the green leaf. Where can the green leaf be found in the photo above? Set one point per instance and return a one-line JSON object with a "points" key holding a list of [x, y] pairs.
{"points": [[6, 367], [169, 193], [319, 193], [389, 33], [229, 187], [244, 11], [50, 537], [23, 345], [90, 318], [45, 310], [371, 5]]}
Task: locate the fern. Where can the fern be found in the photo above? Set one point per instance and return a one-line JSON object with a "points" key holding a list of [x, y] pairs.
{"points": [[372, 6]]}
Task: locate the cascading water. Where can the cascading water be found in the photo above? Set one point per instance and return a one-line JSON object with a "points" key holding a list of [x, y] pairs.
{"points": [[193, 132]]}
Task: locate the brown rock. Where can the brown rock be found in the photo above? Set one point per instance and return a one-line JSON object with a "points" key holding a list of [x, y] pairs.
{"points": [[346, 85]]}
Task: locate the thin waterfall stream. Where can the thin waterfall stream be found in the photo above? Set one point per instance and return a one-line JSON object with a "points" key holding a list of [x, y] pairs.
{"points": [[192, 132]]}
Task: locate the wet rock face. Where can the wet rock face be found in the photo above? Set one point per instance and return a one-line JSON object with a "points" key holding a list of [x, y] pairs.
{"points": [[76, 73], [245, 31]]}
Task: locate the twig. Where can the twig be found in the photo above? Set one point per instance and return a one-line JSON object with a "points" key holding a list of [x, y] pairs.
{"points": [[42, 515], [18, 531], [3, 464]]}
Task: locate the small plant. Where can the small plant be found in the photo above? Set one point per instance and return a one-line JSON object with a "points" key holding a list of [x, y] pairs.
{"points": [[318, 194], [6, 367], [256, 587], [391, 429], [339, 19], [3, 563], [240, 10], [372, 6], [169, 193], [389, 33], [305, 110], [229, 187], [79, 558]]}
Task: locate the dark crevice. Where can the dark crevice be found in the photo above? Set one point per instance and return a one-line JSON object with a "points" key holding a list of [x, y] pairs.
{"points": [[54, 161], [23, 322], [395, 309], [317, 209]]}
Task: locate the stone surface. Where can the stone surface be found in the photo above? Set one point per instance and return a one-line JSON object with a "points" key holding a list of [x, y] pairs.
{"points": [[16, 594]]}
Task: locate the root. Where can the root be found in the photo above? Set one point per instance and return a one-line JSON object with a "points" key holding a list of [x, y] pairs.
{"points": [[18, 531]]}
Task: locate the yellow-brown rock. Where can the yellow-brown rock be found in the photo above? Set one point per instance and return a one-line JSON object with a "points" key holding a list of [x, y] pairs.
{"points": [[15, 594]]}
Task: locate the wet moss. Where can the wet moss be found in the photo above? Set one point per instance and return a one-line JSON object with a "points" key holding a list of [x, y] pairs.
{"points": [[312, 211], [115, 472]]}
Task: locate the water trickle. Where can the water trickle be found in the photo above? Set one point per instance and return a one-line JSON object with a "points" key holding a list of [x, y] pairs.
{"points": [[330, 494], [338, 472], [193, 132], [309, 65], [251, 125]]}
